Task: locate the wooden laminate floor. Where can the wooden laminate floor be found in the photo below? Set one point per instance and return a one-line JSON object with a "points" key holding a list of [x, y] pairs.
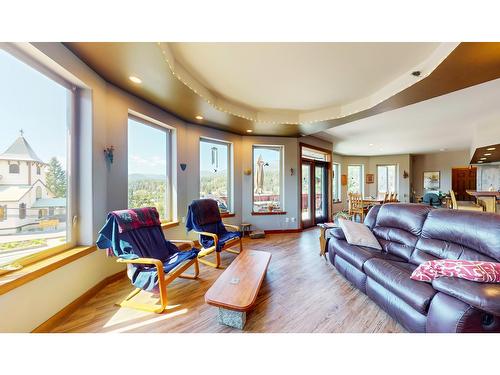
{"points": [[301, 293]]}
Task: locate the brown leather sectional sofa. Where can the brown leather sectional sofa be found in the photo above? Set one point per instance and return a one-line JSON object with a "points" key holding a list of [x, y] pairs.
{"points": [[411, 234]]}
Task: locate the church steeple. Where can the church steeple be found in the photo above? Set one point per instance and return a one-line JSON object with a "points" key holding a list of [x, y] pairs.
{"points": [[21, 150]]}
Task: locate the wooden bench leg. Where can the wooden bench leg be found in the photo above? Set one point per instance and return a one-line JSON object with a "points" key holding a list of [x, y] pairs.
{"points": [[231, 318]]}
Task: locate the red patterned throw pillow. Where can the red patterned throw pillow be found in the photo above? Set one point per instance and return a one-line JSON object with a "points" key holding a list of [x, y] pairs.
{"points": [[483, 272]]}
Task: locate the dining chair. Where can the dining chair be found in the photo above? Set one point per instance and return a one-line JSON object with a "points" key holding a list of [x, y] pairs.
{"points": [[464, 205], [357, 207]]}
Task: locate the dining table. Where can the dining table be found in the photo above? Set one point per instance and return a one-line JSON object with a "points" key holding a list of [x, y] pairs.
{"points": [[370, 201]]}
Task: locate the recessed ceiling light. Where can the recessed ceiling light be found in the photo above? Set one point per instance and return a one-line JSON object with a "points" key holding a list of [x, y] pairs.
{"points": [[484, 158], [487, 154], [371, 144], [198, 117], [491, 149], [480, 161], [135, 79], [442, 149], [249, 130]]}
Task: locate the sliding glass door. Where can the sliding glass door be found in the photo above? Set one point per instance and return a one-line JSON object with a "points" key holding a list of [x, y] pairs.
{"points": [[314, 194], [306, 197], [320, 192]]}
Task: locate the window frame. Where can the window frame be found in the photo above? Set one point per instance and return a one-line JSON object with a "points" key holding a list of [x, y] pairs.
{"points": [[72, 126], [396, 177], [158, 125], [281, 164], [362, 179], [230, 180], [336, 183]]}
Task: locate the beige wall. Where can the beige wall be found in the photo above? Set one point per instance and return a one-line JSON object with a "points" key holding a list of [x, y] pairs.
{"points": [[442, 162], [370, 164], [104, 117]]}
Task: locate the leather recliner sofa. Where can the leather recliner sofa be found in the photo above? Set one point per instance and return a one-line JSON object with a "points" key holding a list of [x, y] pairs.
{"points": [[409, 235]]}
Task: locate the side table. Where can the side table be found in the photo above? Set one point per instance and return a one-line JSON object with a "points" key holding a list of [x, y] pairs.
{"points": [[322, 237]]}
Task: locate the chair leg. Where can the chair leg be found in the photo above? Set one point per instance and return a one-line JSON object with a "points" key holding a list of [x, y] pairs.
{"points": [[127, 302], [196, 271], [211, 264]]}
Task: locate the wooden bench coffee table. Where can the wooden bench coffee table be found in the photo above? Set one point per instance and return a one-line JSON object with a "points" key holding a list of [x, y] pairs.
{"points": [[235, 291]]}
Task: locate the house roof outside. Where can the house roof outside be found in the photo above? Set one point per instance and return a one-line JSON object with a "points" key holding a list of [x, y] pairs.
{"points": [[49, 202], [13, 193], [21, 150]]}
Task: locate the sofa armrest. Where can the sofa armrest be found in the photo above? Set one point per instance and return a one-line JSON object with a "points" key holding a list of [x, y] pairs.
{"points": [[484, 296], [448, 314], [335, 233]]}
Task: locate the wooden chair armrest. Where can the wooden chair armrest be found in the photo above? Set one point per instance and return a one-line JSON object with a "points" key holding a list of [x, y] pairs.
{"points": [[190, 244], [156, 262], [235, 227], [213, 235]]}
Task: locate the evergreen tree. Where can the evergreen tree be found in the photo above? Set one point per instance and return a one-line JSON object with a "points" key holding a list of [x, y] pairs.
{"points": [[56, 178]]}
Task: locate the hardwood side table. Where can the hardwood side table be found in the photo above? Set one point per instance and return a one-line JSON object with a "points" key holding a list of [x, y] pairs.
{"points": [[322, 237], [245, 227]]}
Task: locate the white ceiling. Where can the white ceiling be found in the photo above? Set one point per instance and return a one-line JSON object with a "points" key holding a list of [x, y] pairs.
{"points": [[300, 82], [446, 122], [298, 76]]}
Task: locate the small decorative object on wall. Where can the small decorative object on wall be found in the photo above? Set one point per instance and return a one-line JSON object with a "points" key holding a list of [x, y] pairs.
{"points": [[370, 178], [183, 166], [405, 174], [108, 152], [291, 171], [343, 180], [432, 180], [247, 171]]}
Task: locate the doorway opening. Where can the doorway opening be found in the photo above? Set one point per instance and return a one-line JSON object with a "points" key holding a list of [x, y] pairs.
{"points": [[315, 187], [463, 179]]}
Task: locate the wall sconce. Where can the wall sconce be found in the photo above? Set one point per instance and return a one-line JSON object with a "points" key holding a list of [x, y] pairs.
{"points": [[108, 152], [291, 171], [183, 166], [405, 174]]}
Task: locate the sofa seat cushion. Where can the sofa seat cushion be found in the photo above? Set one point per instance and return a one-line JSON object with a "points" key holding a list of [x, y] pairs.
{"points": [[395, 277], [357, 255], [483, 296]]}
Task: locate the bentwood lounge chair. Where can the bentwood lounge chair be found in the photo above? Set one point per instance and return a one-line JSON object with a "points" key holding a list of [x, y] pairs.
{"points": [[204, 218], [136, 238]]}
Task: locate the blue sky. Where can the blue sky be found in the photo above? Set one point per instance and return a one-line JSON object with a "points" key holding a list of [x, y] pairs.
{"points": [[32, 102], [206, 156], [146, 149]]}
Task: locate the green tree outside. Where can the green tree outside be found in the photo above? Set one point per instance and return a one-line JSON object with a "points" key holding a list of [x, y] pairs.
{"points": [[56, 178]]}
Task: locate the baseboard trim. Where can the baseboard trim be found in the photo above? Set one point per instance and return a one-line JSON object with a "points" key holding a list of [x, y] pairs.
{"points": [[279, 231], [54, 320]]}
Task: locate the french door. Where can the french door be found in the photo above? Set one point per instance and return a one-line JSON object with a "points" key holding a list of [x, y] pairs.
{"points": [[314, 192]]}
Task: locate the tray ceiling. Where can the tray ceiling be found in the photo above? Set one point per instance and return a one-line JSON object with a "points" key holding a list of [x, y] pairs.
{"points": [[288, 89]]}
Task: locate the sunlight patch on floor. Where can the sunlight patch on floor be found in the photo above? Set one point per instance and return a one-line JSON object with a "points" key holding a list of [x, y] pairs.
{"points": [[158, 318]]}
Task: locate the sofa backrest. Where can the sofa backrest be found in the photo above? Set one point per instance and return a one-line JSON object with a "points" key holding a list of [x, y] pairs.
{"points": [[398, 227], [456, 234]]}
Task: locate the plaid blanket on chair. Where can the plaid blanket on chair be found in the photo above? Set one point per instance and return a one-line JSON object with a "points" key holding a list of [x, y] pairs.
{"points": [[136, 218]]}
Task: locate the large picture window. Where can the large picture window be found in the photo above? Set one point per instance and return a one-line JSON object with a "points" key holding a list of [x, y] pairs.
{"points": [[35, 154], [147, 166], [386, 178], [268, 179], [215, 172], [355, 179]]}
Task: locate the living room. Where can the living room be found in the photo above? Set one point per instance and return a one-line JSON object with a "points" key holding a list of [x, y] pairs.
{"points": [[205, 185]]}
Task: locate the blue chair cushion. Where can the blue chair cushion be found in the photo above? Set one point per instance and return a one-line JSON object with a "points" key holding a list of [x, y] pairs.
{"points": [[146, 276], [225, 238]]}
